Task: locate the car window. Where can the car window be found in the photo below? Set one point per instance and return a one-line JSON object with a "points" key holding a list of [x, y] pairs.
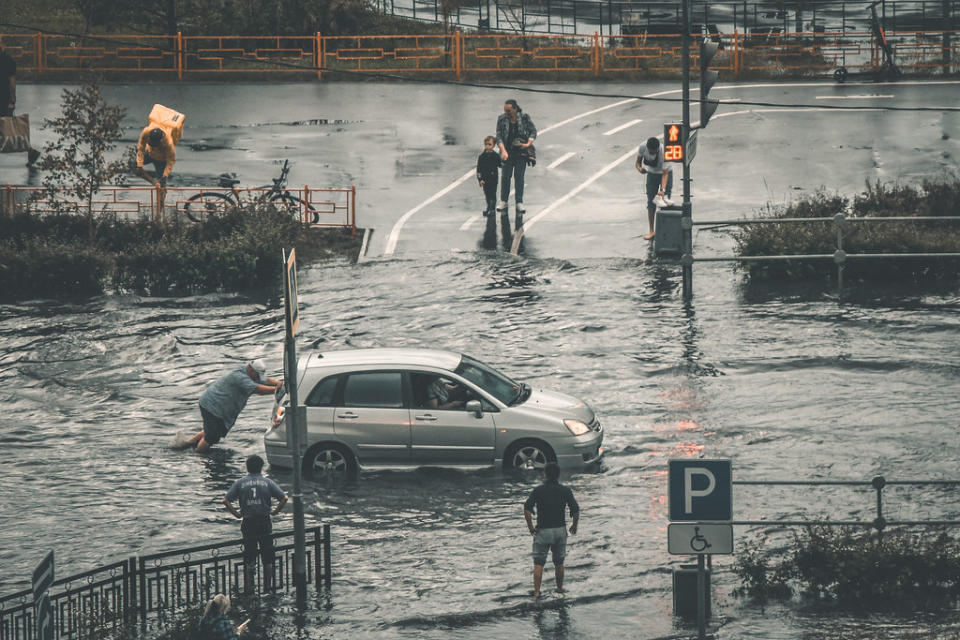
{"points": [[490, 380], [375, 389], [322, 394]]}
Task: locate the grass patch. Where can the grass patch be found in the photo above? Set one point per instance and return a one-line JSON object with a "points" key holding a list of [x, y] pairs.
{"points": [[233, 251], [931, 199], [851, 569]]}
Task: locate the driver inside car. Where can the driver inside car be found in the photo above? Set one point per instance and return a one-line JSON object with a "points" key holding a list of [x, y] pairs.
{"points": [[440, 392]]}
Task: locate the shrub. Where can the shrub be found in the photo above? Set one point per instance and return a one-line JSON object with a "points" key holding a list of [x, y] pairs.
{"points": [[853, 569], [930, 199]]}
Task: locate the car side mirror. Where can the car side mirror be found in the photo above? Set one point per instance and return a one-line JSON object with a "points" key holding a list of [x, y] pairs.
{"points": [[475, 407]]}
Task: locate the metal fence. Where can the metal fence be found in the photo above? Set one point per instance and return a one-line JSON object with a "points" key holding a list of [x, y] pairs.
{"points": [[326, 207], [142, 591], [625, 17], [839, 256], [878, 484], [772, 51]]}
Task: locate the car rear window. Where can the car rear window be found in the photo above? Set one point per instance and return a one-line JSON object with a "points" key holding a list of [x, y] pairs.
{"points": [[376, 389], [322, 394]]}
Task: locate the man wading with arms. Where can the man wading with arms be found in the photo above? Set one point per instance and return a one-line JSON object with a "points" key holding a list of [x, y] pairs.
{"points": [[256, 495], [550, 500]]}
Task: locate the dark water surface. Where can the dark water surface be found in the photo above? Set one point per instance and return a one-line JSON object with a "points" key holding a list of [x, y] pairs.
{"points": [[789, 385]]}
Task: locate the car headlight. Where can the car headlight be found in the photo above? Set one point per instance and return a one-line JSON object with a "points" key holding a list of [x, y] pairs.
{"points": [[277, 417], [577, 427]]}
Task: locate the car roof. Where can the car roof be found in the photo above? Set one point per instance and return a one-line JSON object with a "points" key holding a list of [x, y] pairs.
{"points": [[388, 357]]}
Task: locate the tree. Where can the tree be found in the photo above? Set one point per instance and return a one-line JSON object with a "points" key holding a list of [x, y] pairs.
{"points": [[76, 163]]}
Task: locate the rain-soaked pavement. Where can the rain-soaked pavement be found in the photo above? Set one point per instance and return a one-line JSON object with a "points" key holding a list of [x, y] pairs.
{"points": [[785, 382]]}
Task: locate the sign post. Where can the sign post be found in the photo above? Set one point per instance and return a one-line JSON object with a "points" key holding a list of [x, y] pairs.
{"points": [[42, 610], [700, 495], [292, 323]]}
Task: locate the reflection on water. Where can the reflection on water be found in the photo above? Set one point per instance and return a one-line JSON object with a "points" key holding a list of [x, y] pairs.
{"points": [[94, 390]]}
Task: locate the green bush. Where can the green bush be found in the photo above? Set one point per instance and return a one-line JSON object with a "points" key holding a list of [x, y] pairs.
{"points": [[236, 250], [852, 569], [930, 199]]}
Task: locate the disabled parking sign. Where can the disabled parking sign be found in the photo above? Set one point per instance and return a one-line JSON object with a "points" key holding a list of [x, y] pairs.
{"points": [[700, 490]]}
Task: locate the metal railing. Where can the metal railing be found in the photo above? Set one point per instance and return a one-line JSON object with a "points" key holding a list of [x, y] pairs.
{"points": [[624, 17], [878, 483], [839, 256], [326, 207], [150, 588], [773, 51]]}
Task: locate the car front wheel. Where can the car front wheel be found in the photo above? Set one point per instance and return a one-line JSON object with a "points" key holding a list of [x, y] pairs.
{"points": [[530, 455]]}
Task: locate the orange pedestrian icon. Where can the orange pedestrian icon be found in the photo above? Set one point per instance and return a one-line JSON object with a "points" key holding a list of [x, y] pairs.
{"points": [[674, 133]]}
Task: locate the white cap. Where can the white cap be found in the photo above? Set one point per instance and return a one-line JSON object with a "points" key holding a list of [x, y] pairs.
{"points": [[260, 367]]}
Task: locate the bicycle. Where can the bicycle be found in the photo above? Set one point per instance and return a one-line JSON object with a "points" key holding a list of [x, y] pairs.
{"points": [[207, 202]]}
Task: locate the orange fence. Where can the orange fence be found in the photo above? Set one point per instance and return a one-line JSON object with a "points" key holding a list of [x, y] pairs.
{"points": [[314, 207], [458, 53]]}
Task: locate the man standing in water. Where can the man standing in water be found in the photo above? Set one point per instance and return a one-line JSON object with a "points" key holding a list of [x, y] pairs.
{"points": [[550, 500], [256, 495], [223, 401]]}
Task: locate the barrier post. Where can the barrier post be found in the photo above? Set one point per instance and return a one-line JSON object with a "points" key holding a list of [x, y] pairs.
{"points": [[353, 210], [456, 52], [736, 53], [305, 206], [39, 52], [179, 61], [318, 55], [596, 54]]}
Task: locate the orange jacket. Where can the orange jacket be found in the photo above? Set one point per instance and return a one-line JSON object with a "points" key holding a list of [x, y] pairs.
{"points": [[164, 152]]}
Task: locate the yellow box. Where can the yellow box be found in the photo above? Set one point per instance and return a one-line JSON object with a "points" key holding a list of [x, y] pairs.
{"points": [[168, 119]]}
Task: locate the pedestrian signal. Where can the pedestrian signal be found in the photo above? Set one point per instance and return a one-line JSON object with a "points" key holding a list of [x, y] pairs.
{"points": [[673, 142]]}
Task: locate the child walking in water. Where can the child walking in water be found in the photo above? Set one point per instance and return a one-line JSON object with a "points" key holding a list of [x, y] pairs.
{"points": [[488, 166]]}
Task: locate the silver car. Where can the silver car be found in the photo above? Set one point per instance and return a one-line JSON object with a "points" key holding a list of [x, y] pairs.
{"points": [[368, 408]]}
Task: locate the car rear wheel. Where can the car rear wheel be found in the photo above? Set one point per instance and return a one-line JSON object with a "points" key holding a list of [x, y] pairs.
{"points": [[529, 455], [329, 461]]}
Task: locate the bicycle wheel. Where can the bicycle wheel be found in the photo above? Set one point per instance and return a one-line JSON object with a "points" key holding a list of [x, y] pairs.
{"points": [[294, 205], [205, 203]]}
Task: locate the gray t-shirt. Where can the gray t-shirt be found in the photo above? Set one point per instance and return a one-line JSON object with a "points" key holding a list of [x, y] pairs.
{"points": [[652, 162], [227, 397], [255, 493]]}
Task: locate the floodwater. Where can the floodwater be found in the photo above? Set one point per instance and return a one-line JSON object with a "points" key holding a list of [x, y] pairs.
{"points": [[786, 386], [786, 382]]}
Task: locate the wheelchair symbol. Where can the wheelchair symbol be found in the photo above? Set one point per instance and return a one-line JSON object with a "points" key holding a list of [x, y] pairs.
{"points": [[698, 543]]}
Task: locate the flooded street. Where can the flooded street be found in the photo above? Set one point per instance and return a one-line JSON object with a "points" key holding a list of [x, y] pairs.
{"points": [[786, 382]]}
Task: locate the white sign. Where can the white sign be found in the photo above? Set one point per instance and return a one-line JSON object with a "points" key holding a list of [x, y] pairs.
{"points": [[696, 538]]}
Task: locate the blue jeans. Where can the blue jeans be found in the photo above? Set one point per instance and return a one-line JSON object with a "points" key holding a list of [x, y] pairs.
{"points": [[516, 166]]}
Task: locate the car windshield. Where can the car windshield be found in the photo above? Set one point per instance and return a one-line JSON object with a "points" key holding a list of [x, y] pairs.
{"points": [[490, 380]]}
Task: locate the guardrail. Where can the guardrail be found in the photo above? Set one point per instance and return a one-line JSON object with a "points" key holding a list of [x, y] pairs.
{"points": [[122, 595], [878, 483], [326, 207], [839, 256], [774, 50]]}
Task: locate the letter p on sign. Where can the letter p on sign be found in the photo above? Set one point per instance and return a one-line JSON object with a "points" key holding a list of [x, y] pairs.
{"points": [[700, 490]]}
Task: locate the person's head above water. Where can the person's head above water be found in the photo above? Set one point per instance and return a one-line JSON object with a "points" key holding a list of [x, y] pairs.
{"points": [[652, 144], [155, 137]]}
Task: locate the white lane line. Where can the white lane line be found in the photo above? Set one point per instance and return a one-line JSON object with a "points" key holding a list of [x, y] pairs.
{"points": [[863, 97], [470, 221], [622, 127], [398, 226], [395, 232], [580, 187], [561, 159]]}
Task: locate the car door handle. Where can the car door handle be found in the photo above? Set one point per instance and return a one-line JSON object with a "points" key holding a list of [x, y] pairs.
{"points": [[426, 417], [348, 414]]}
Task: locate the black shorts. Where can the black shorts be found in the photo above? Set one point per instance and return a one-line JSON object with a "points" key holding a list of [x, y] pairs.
{"points": [[256, 538], [213, 427], [158, 166]]}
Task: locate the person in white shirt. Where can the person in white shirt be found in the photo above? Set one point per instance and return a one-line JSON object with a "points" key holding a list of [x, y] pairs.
{"points": [[659, 179]]}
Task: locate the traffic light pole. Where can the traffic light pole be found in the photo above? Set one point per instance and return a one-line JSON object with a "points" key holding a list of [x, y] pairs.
{"points": [[686, 220]]}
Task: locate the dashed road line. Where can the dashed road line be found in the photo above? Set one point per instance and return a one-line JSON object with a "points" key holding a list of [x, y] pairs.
{"points": [[622, 127], [560, 160], [863, 97]]}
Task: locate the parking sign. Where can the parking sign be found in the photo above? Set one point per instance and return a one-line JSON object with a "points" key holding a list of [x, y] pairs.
{"points": [[700, 490]]}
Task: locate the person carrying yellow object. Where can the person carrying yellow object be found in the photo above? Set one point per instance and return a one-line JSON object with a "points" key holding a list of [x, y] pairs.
{"points": [[156, 145]]}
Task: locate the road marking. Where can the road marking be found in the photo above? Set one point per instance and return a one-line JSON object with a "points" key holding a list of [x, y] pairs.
{"points": [[863, 97], [621, 128], [561, 159], [470, 221], [398, 226]]}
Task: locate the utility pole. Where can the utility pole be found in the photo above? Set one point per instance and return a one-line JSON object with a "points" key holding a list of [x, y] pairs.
{"points": [[686, 219]]}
